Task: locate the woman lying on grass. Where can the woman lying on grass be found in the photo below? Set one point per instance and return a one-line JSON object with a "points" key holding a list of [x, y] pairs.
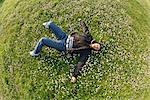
{"points": [[74, 43]]}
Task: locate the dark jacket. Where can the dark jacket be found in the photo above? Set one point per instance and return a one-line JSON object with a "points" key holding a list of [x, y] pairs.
{"points": [[81, 45]]}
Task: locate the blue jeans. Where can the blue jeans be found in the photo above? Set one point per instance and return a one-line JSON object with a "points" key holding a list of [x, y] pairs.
{"points": [[56, 44]]}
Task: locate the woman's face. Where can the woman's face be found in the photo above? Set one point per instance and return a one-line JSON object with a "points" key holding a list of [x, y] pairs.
{"points": [[95, 46]]}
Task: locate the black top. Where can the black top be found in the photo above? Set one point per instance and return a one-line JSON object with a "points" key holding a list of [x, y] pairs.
{"points": [[81, 45]]}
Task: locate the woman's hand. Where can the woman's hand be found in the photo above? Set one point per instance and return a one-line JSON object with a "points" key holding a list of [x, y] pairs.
{"points": [[73, 79]]}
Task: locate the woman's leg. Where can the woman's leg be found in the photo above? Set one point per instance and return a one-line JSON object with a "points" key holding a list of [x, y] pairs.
{"points": [[58, 45], [56, 30]]}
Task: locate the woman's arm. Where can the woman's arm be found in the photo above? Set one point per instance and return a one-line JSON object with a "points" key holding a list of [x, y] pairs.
{"points": [[84, 28], [86, 32], [82, 60]]}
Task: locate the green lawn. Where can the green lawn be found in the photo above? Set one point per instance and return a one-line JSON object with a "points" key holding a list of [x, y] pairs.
{"points": [[119, 72], [1, 2]]}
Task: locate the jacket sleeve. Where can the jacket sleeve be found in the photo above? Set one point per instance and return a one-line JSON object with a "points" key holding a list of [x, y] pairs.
{"points": [[86, 31], [82, 60], [85, 28]]}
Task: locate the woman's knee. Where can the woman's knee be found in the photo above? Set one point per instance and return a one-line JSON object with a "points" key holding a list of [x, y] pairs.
{"points": [[43, 40]]}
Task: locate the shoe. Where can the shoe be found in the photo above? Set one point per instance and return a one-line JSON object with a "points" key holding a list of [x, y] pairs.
{"points": [[46, 24], [34, 54]]}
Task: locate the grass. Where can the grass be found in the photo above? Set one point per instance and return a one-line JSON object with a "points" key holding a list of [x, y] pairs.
{"points": [[120, 71], [1, 2]]}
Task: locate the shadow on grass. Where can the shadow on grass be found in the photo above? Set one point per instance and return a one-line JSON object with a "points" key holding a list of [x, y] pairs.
{"points": [[1, 2], [56, 61]]}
